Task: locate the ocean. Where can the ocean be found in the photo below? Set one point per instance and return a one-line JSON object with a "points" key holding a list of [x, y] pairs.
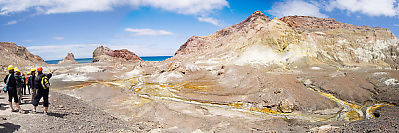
{"points": [[89, 60]]}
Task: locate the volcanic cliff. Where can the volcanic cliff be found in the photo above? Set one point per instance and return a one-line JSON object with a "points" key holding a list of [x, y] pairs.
{"points": [[294, 64], [11, 54], [294, 41]]}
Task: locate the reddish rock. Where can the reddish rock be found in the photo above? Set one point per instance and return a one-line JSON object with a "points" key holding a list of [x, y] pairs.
{"points": [[102, 54], [195, 43], [198, 43], [259, 40], [307, 22]]}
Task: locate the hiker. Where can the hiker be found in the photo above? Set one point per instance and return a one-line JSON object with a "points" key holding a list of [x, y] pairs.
{"points": [[23, 78], [19, 81], [31, 81], [42, 83], [11, 86], [27, 82]]}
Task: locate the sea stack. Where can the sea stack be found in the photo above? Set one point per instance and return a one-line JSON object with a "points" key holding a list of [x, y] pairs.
{"points": [[105, 54], [69, 59]]}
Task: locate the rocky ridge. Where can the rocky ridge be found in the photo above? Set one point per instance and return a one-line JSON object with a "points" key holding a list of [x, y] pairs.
{"points": [[69, 59], [280, 66], [294, 41], [11, 54], [104, 54]]}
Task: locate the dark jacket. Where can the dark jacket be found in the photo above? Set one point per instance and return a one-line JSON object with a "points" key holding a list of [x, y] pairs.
{"points": [[38, 84], [19, 80], [12, 84], [31, 81]]}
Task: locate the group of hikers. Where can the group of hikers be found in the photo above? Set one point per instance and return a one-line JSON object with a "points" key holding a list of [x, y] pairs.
{"points": [[38, 86]]}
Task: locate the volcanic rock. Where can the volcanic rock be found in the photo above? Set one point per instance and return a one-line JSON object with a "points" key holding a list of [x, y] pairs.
{"points": [[293, 41], [104, 54], [11, 54], [69, 59], [307, 22], [259, 61]]}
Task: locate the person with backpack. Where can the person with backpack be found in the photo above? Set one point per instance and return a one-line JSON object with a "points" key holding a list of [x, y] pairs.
{"points": [[11, 87], [27, 83], [31, 81], [42, 83], [19, 82], [23, 83]]}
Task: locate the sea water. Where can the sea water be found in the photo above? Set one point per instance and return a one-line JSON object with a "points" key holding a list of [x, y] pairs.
{"points": [[89, 60]]}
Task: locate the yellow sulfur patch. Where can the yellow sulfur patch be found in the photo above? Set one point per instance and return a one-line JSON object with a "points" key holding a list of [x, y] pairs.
{"points": [[137, 89], [236, 104], [353, 116]]}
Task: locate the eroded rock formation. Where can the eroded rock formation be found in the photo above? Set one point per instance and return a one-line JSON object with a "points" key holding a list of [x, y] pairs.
{"points": [[104, 54], [69, 59], [294, 41], [274, 67], [11, 54]]}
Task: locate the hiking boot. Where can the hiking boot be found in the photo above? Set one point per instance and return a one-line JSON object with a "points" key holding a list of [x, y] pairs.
{"points": [[34, 112]]}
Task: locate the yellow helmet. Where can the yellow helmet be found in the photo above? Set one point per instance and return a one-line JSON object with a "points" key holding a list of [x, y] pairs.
{"points": [[16, 69], [10, 67], [28, 73], [33, 70]]}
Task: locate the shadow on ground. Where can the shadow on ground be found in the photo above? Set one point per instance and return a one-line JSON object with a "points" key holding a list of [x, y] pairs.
{"points": [[2, 106], [59, 115], [8, 127]]}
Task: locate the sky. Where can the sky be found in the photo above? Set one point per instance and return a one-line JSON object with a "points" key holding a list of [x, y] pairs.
{"points": [[52, 28]]}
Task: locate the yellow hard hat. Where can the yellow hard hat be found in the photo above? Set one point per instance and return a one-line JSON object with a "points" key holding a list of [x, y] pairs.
{"points": [[10, 67], [16, 69], [33, 70], [28, 73]]}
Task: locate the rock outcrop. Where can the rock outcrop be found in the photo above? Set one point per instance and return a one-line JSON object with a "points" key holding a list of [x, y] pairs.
{"points": [[11, 54], [69, 59], [294, 41], [104, 54]]}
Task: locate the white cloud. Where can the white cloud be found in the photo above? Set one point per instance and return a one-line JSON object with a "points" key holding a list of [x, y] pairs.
{"points": [[192, 7], [209, 20], [54, 52], [148, 32], [58, 38], [368, 7], [12, 22], [296, 7]]}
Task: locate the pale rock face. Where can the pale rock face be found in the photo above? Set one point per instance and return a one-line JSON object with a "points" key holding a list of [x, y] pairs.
{"points": [[71, 77], [293, 40], [88, 69]]}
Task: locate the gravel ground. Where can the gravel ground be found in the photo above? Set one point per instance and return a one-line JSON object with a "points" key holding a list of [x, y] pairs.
{"points": [[67, 114], [387, 121]]}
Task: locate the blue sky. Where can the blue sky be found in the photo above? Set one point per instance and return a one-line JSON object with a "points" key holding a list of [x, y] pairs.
{"points": [[52, 28]]}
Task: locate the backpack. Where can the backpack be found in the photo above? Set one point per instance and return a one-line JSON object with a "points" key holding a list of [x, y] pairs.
{"points": [[5, 86], [45, 82]]}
